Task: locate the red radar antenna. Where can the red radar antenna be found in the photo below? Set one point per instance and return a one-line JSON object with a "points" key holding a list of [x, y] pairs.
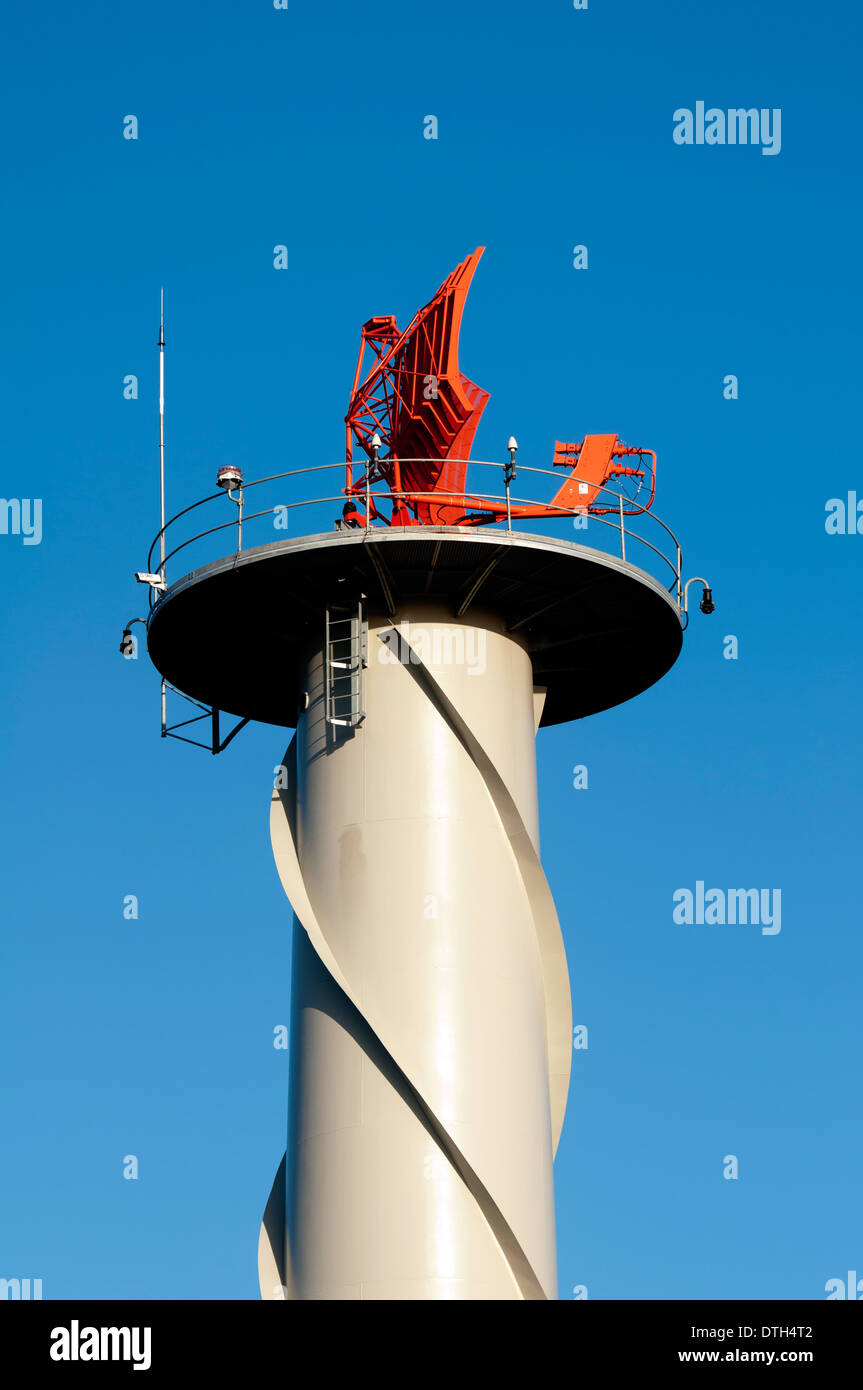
{"points": [[424, 410], [414, 415]]}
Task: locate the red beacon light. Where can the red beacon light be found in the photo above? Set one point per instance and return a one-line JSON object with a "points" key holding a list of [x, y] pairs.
{"points": [[229, 478]]}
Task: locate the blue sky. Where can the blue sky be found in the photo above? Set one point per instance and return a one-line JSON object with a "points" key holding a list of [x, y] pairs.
{"points": [[305, 128]]}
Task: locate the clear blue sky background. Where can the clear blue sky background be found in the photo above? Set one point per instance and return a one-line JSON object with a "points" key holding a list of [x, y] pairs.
{"points": [[305, 127]]}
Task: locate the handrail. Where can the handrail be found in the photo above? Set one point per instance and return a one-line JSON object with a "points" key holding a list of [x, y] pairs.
{"points": [[474, 499]]}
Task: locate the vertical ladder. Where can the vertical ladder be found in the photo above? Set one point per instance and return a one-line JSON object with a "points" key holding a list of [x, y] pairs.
{"points": [[345, 656]]}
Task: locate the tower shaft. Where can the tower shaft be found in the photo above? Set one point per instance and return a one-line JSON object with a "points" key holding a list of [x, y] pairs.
{"points": [[431, 1024]]}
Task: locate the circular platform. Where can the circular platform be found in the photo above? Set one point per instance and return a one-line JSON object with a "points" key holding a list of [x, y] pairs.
{"points": [[234, 633]]}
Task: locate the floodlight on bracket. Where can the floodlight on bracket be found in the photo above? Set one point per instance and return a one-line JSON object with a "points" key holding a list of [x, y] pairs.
{"points": [[706, 605], [127, 644]]}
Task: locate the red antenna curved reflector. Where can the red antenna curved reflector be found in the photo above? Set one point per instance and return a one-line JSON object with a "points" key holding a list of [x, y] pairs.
{"points": [[419, 402]]}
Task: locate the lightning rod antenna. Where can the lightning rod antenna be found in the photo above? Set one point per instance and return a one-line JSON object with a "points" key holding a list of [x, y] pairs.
{"points": [[162, 435]]}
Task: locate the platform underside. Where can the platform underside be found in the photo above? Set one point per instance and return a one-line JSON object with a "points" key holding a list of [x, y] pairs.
{"points": [[234, 634]]}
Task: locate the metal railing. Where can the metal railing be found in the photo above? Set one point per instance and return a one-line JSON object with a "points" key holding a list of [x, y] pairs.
{"points": [[613, 500]]}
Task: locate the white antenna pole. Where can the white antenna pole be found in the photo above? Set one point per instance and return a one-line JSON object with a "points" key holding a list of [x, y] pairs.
{"points": [[162, 435]]}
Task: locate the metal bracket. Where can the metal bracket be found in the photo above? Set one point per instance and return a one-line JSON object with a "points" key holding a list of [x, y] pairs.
{"points": [[216, 744]]}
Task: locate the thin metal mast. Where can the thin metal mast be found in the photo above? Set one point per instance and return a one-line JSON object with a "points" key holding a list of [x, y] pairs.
{"points": [[162, 435]]}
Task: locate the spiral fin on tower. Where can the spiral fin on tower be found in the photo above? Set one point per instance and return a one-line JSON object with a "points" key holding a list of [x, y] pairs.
{"points": [[558, 1003], [272, 1242], [415, 1089]]}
